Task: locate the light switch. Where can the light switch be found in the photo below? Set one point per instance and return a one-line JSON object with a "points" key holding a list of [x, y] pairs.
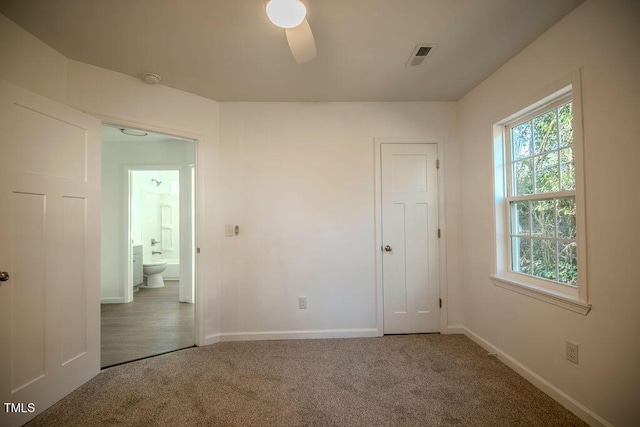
{"points": [[228, 230]]}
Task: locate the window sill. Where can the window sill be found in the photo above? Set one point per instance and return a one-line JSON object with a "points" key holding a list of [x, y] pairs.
{"points": [[542, 294]]}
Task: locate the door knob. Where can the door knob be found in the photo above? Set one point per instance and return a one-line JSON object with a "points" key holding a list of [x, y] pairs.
{"points": [[4, 276], [387, 248]]}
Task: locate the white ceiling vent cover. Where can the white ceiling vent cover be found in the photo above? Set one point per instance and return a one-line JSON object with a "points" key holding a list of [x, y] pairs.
{"points": [[419, 54]]}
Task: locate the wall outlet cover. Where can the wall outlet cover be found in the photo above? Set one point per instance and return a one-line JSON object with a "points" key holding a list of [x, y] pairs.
{"points": [[572, 352]]}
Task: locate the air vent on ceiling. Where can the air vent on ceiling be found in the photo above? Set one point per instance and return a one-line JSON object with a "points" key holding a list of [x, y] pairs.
{"points": [[419, 54]]}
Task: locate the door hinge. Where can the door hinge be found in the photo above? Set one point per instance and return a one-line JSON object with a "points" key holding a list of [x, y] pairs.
{"points": [[437, 163], [439, 233], [440, 302]]}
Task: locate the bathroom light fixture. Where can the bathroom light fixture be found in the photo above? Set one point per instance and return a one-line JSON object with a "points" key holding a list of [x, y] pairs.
{"points": [[134, 132], [286, 13]]}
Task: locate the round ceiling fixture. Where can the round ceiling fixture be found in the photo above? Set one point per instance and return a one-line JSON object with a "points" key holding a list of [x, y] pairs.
{"points": [[286, 13], [151, 78], [134, 132]]}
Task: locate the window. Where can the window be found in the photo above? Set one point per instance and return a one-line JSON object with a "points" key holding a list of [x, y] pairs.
{"points": [[541, 195], [539, 202]]}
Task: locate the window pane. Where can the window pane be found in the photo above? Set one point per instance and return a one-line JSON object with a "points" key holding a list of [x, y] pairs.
{"points": [[568, 263], [544, 258], [545, 132], [547, 173], [566, 125], [568, 170], [543, 218], [521, 141], [521, 255], [520, 218], [523, 177], [567, 218]]}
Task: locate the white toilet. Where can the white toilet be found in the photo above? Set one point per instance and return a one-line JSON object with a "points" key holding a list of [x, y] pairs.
{"points": [[153, 273]]}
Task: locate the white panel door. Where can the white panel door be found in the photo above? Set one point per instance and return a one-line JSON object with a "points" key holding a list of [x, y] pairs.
{"points": [[50, 228], [410, 261]]}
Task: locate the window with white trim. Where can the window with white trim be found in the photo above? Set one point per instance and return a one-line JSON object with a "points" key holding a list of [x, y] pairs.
{"points": [[540, 203]]}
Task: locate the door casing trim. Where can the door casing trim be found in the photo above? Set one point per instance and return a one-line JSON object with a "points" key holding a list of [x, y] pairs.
{"points": [[199, 205]]}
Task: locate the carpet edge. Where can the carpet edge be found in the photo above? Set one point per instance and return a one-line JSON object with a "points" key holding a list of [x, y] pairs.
{"points": [[577, 408]]}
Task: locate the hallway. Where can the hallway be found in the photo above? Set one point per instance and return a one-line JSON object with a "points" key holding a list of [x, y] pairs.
{"points": [[155, 322]]}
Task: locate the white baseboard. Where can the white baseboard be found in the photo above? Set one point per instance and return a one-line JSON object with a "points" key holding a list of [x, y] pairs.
{"points": [[295, 335], [211, 339], [558, 395], [455, 329], [111, 300]]}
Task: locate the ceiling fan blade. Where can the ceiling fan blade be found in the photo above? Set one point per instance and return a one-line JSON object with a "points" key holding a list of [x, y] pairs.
{"points": [[301, 42]]}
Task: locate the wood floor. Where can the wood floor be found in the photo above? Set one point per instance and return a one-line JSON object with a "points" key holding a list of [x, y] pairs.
{"points": [[155, 322]]}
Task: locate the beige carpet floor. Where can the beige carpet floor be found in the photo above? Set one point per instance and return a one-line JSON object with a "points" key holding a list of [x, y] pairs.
{"points": [[410, 380]]}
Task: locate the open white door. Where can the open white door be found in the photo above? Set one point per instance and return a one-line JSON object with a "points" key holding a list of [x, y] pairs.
{"points": [[50, 248], [410, 266]]}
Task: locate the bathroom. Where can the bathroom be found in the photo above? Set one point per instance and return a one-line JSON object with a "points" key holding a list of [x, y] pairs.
{"points": [[155, 222], [148, 205]]}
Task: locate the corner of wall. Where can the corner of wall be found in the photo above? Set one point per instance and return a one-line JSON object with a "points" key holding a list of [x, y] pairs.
{"points": [[29, 63]]}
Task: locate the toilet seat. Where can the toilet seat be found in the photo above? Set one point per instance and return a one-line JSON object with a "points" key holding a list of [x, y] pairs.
{"points": [[153, 264]]}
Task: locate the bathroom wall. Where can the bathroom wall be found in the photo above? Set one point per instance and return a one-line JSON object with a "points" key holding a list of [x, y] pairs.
{"points": [[115, 157]]}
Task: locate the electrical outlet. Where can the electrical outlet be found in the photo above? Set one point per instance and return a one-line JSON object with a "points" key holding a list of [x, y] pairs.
{"points": [[302, 303], [572, 352]]}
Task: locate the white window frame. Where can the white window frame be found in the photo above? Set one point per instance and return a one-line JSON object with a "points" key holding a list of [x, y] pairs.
{"points": [[565, 296]]}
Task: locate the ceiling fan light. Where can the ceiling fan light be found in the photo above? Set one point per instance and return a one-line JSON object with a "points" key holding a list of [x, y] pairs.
{"points": [[286, 13]]}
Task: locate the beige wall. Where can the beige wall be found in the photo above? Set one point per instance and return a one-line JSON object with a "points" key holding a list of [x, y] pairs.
{"points": [[299, 180], [27, 62], [603, 39]]}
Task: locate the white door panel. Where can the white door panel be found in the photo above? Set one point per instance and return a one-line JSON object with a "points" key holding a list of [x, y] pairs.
{"points": [[50, 223], [410, 233]]}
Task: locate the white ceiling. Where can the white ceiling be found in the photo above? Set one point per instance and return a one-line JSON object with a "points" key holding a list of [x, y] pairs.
{"points": [[227, 50]]}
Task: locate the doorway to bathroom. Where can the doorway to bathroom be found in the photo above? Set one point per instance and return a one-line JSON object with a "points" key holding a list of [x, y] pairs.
{"points": [[148, 244]]}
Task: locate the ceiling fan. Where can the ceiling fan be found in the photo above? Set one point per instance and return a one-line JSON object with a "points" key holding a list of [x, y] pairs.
{"points": [[291, 15]]}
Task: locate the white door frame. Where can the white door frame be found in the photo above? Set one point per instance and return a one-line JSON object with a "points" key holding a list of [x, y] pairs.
{"points": [[442, 242], [198, 191], [187, 251]]}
